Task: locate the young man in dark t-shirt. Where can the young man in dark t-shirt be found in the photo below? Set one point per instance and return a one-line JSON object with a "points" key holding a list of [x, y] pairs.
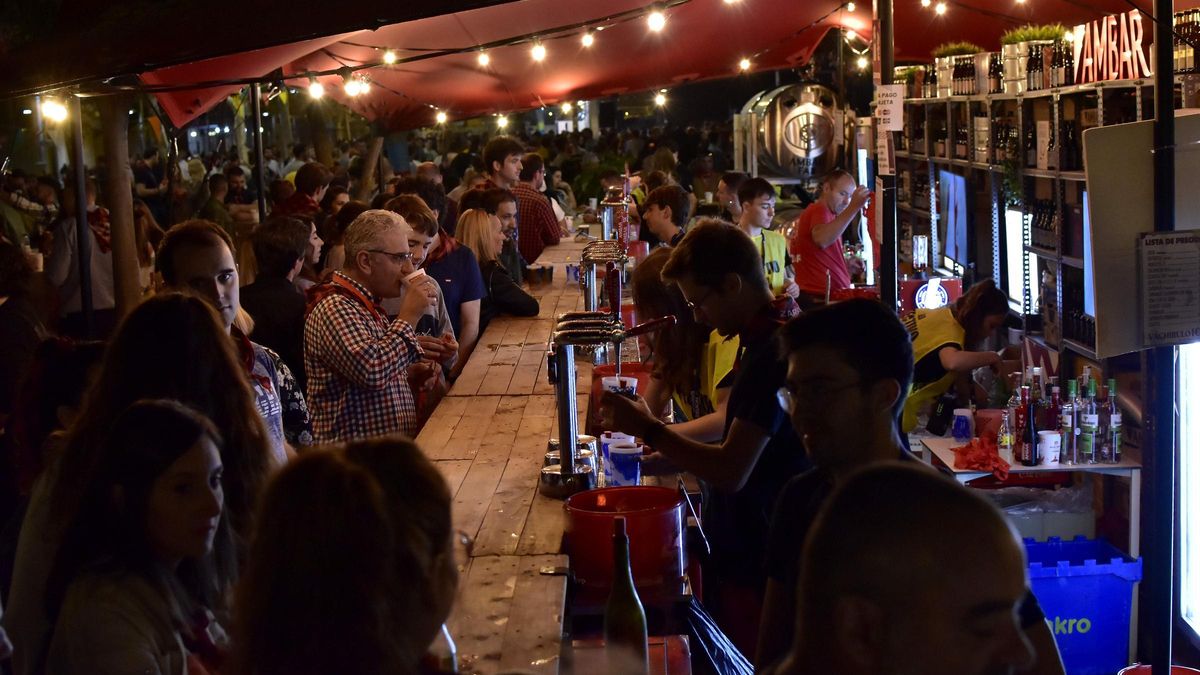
{"points": [[720, 274], [849, 366]]}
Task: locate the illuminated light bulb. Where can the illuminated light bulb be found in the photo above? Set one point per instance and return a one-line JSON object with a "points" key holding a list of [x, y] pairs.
{"points": [[389, 57], [27, 111], [851, 35], [731, 2], [744, 64], [660, 99], [226, 129], [940, 8], [484, 59], [365, 87], [353, 87], [316, 89], [538, 52], [266, 114], [502, 122], [850, 7], [656, 20], [441, 117], [926, 3], [861, 63], [192, 134], [54, 111], [588, 39], [566, 108]]}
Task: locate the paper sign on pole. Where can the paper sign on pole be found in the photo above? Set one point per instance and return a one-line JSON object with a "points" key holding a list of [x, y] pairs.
{"points": [[1169, 282], [889, 107], [885, 161]]}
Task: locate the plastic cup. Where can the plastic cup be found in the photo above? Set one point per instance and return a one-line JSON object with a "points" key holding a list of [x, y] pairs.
{"points": [[619, 385], [592, 203], [1050, 446], [626, 460], [962, 424], [707, 197], [607, 440]]}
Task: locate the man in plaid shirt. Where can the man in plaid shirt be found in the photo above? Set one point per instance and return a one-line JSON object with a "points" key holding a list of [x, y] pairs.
{"points": [[536, 225], [357, 360]]}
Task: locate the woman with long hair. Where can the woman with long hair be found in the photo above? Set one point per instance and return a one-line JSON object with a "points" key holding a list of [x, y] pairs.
{"points": [[483, 234], [376, 604], [691, 362], [172, 346], [149, 555], [944, 340]]}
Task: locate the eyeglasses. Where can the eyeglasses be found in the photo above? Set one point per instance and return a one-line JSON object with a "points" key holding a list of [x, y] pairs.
{"points": [[810, 392], [700, 302], [397, 258]]}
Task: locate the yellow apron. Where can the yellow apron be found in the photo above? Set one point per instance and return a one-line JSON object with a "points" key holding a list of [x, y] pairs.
{"points": [[773, 247], [930, 329], [720, 355]]}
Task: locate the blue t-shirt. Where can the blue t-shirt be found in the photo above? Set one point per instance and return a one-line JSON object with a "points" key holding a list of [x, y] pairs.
{"points": [[458, 273]]}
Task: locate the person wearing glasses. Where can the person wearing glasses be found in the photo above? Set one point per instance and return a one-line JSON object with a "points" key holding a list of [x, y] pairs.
{"points": [[720, 274], [356, 358], [849, 366]]}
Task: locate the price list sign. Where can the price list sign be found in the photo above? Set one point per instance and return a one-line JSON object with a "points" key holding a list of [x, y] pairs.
{"points": [[1169, 284]]}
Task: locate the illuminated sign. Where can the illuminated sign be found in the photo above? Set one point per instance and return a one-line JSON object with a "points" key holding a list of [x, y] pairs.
{"points": [[1111, 49], [932, 295]]}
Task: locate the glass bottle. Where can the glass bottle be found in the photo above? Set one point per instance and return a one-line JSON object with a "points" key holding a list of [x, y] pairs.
{"points": [[1103, 441], [1004, 439], [625, 637], [1114, 423], [1089, 423], [1068, 426]]}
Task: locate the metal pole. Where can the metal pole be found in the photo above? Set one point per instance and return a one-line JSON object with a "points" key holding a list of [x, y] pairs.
{"points": [[83, 238], [888, 265], [259, 163], [1160, 559]]}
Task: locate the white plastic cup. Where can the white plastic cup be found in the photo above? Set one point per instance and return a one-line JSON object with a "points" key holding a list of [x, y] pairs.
{"points": [[620, 385], [626, 462], [1050, 446], [607, 440], [708, 197], [592, 203]]}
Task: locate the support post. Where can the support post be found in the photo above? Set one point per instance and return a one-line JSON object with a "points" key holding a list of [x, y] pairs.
{"points": [[119, 199], [366, 182], [260, 165], [888, 265], [1160, 558], [83, 238]]}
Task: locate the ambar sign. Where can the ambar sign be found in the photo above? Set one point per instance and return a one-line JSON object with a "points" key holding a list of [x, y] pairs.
{"points": [[1111, 49]]}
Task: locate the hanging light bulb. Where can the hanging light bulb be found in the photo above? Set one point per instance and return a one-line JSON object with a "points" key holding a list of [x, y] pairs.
{"points": [[731, 2], [744, 64], [862, 63], [851, 35], [389, 57], [54, 110], [940, 8], [566, 107], [315, 89], [353, 87], [926, 3], [538, 52], [484, 59], [441, 117], [850, 6], [660, 99], [656, 21], [588, 39], [502, 122]]}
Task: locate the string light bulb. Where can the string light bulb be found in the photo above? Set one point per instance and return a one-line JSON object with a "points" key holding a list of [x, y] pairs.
{"points": [[660, 99], [315, 89], [744, 64], [353, 87], [364, 86], [538, 52], [656, 21], [731, 2], [502, 121], [441, 117], [940, 8], [926, 3], [484, 59], [861, 62], [850, 6], [54, 110], [588, 39], [389, 57], [566, 107]]}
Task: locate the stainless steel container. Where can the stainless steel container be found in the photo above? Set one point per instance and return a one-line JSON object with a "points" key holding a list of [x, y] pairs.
{"points": [[1016, 57], [944, 67]]}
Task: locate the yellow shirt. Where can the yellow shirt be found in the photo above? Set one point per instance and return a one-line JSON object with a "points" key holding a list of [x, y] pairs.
{"points": [[720, 355], [930, 329], [773, 247]]}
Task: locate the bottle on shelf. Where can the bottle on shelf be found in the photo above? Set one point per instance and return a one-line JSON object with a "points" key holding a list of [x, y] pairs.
{"points": [[931, 83], [1089, 425], [1030, 147], [995, 74], [1052, 151], [1069, 425], [1053, 408], [1114, 423], [1004, 439], [625, 637], [1103, 448]]}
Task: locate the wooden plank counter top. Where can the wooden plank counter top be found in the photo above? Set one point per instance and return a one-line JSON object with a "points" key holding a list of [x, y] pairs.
{"points": [[488, 437]]}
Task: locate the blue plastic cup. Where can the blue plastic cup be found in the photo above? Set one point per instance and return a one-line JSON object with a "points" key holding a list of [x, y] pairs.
{"points": [[626, 461], [962, 425], [607, 439]]}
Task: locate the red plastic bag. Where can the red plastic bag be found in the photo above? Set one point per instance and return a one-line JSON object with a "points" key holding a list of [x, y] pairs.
{"points": [[981, 454]]}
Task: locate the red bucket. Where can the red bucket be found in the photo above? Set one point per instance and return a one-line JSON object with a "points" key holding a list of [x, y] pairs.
{"points": [[654, 521], [1145, 670]]}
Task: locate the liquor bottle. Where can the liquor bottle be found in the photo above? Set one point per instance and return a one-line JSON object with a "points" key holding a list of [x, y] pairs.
{"points": [[974, 76], [625, 637], [1024, 424], [1103, 449], [1029, 70], [442, 656], [1069, 426], [1004, 439], [1089, 423], [1052, 151], [1114, 423], [995, 75], [1053, 407], [1068, 65], [1030, 147], [931, 83], [1029, 437]]}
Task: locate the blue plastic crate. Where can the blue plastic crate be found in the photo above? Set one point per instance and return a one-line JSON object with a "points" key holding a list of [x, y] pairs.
{"points": [[1085, 587]]}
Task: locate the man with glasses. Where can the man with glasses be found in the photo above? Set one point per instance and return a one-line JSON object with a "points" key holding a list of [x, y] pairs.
{"points": [[356, 359], [849, 366], [719, 272]]}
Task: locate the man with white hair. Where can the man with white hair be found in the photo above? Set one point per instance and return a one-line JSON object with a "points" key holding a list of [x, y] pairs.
{"points": [[356, 358]]}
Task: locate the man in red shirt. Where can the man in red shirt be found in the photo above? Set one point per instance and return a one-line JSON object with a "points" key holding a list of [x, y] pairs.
{"points": [[816, 244], [312, 180]]}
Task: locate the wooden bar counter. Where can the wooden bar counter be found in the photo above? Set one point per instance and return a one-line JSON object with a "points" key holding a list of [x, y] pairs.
{"points": [[488, 437]]}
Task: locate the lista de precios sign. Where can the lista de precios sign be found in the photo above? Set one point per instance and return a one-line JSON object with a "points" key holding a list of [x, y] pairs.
{"points": [[1111, 49]]}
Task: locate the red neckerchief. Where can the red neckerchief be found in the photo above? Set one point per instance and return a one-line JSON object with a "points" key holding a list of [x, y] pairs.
{"points": [[246, 354], [340, 284], [98, 221], [200, 644]]}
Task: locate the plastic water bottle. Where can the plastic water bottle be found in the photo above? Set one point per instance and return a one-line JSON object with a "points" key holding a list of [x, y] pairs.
{"points": [[1004, 439]]}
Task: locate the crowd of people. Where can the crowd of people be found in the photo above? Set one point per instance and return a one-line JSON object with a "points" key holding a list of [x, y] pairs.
{"points": [[169, 489]]}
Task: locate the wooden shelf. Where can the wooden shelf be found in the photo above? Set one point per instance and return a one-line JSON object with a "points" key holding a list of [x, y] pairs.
{"points": [[1080, 349], [1070, 261], [913, 210], [1060, 175], [1042, 252], [1089, 88], [1041, 340]]}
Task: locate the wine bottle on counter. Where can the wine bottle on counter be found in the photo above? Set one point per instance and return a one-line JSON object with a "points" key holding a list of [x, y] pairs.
{"points": [[626, 642]]}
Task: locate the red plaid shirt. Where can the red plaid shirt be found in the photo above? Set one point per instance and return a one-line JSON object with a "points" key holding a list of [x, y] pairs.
{"points": [[356, 362], [536, 225]]}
